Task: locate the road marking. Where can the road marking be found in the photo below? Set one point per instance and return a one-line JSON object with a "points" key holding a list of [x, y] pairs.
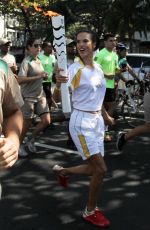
{"points": [[55, 148]]}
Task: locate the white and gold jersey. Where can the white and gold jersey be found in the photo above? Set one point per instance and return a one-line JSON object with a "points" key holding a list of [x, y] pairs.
{"points": [[88, 86]]}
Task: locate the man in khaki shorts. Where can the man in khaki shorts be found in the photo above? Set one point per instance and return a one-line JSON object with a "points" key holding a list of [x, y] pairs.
{"points": [[11, 119], [124, 137]]}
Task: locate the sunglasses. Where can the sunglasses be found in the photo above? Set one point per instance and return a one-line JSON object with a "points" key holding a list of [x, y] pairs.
{"points": [[36, 45]]}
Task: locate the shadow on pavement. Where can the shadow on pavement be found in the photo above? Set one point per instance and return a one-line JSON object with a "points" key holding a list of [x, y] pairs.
{"points": [[32, 199]]}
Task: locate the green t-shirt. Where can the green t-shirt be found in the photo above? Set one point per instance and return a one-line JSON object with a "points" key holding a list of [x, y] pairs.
{"points": [[48, 63], [123, 63], [109, 64]]}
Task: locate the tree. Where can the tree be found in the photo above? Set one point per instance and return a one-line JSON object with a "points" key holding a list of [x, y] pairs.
{"points": [[26, 14], [126, 17], [118, 16]]}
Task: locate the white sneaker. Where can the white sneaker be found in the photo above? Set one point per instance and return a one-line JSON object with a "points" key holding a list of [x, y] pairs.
{"points": [[31, 146], [22, 151]]}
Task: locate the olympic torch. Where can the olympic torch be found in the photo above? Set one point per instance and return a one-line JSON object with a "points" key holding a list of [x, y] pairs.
{"points": [[60, 46]]}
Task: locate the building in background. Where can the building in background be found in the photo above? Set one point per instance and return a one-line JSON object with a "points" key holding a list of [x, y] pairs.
{"points": [[142, 43], [10, 29]]}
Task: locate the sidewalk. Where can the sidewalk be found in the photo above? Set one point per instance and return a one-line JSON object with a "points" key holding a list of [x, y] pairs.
{"points": [[32, 199]]}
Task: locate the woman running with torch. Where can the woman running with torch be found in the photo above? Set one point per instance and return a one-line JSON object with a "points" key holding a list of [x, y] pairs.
{"points": [[87, 82]]}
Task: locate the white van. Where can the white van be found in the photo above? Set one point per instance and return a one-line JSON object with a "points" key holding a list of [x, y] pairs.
{"points": [[138, 61]]}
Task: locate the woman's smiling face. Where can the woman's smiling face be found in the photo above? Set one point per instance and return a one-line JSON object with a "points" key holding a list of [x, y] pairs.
{"points": [[85, 45]]}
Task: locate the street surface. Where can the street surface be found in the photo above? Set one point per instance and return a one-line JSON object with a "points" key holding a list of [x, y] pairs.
{"points": [[33, 200]]}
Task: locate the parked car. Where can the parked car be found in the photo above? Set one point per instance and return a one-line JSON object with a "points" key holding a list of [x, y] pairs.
{"points": [[139, 61]]}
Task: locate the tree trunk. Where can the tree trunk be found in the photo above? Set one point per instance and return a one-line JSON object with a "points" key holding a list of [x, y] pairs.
{"points": [[27, 22]]}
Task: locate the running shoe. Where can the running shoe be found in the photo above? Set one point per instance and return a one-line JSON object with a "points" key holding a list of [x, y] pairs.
{"points": [[22, 152], [97, 209], [62, 180], [120, 141], [31, 146], [97, 218]]}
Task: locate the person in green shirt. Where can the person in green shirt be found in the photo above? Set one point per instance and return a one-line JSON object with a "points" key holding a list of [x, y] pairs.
{"points": [[122, 51], [108, 60], [48, 61]]}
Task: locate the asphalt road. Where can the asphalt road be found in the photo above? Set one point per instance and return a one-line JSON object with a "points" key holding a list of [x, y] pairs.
{"points": [[32, 199]]}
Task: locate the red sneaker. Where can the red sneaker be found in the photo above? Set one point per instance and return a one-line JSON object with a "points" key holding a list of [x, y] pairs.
{"points": [[102, 217], [97, 218], [97, 209], [63, 180]]}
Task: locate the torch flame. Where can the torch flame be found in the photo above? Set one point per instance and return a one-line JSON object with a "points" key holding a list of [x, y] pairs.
{"points": [[50, 13], [36, 7]]}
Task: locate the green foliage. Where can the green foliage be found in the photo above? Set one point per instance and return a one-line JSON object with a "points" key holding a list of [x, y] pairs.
{"points": [[118, 16], [126, 17]]}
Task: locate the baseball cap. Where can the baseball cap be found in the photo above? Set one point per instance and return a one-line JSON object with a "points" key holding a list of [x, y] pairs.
{"points": [[4, 41], [121, 46], [69, 41]]}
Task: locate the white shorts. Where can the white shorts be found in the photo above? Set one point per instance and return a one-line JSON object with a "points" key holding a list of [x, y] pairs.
{"points": [[87, 132]]}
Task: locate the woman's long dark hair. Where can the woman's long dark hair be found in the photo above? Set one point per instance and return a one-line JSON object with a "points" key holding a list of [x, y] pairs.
{"points": [[30, 41], [94, 36]]}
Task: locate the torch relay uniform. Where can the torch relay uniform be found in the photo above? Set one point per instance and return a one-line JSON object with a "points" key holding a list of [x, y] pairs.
{"points": [[34, 98], [86, 122], [88, 85], [86, 127], [32, 92]]}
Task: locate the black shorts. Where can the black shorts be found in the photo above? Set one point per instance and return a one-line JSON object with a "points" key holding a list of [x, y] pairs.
{"points": [[110, 95], [47, 89]]}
